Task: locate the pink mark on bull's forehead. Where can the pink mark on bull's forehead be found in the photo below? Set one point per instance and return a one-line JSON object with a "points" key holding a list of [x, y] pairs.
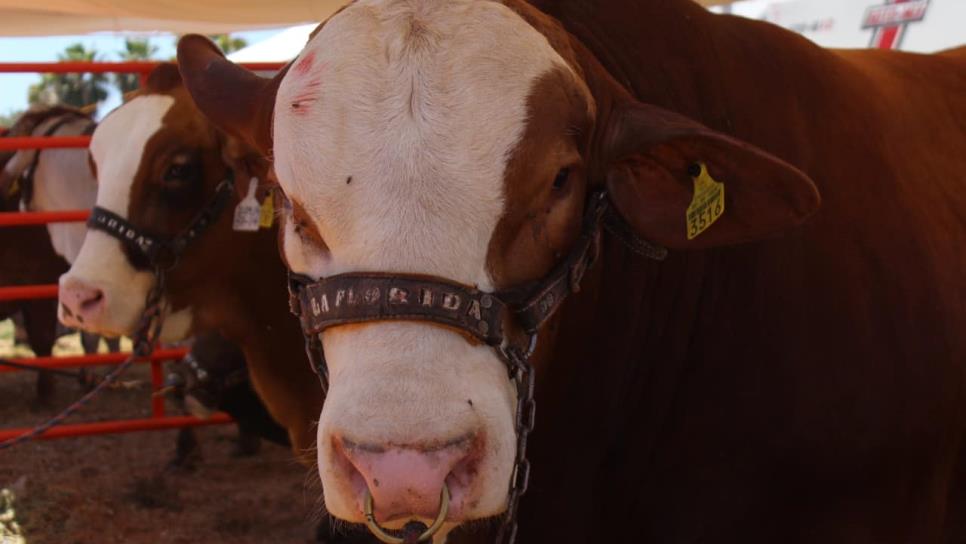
{"points": [[304, 65]]}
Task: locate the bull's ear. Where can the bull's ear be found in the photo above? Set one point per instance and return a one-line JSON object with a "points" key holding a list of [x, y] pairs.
{"points": [[236, 100], [685, 186]]}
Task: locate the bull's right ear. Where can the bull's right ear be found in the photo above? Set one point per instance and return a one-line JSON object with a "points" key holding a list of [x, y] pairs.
{"points": [[236, 100], [685, 186]]}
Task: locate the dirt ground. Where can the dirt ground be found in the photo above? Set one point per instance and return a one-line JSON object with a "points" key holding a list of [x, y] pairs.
{"points": [[118, 489]]}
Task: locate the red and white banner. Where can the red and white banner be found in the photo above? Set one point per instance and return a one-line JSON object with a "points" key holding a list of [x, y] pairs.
{"points": [[908, 25]]}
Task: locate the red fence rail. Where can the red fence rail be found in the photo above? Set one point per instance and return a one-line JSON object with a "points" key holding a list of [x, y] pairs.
{"points": [[77, 361], [129, 67], [159, 419], [20, 219], [48, 142], [27, 292]]}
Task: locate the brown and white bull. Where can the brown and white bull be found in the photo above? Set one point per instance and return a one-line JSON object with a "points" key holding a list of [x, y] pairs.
{"points": [[158, 162], [748, 389]]}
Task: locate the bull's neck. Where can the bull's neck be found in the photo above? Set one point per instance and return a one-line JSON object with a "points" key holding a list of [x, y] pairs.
{"points": [[626, 342], [662, 51]]}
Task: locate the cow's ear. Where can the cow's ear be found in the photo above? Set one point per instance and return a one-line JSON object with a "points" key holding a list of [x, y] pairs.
{"points": [[164, 77], [685, 186], [236, 100]]}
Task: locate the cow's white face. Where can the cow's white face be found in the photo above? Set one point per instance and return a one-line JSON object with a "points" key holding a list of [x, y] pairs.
{"points": [[103, 292], [393, 133]]}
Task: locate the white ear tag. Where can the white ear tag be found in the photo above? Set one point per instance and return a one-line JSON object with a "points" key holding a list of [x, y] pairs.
{"points": [[248, 212]]}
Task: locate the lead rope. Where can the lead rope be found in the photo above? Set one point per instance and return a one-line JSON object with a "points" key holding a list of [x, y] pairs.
{"points": [[145, 338]]}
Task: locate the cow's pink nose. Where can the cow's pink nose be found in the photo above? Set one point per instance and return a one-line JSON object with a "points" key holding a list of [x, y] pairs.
{"points": [[408, 482], [80, 302]]}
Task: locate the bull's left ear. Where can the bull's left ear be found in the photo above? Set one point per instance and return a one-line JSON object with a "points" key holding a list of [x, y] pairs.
{"points": [[685, 186]]}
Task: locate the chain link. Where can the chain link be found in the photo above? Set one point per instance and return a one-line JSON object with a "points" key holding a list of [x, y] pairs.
{"points": [[145, 338], [522, 374]]}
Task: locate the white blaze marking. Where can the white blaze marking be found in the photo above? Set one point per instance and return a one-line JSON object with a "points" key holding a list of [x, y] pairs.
{"points": [[117, 148], [421, 103], [424, 125]]}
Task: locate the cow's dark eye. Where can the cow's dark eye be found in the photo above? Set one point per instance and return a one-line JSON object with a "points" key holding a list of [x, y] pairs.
{"points": [[563, 177], [176, 171], [181, 173]]}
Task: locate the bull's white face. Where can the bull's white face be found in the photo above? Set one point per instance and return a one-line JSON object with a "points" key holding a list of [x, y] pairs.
{"points": [[392, 135], [103, 292]]}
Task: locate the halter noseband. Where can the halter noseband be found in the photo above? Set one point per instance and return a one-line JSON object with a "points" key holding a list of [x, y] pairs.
{"points": [[506, 322], [161, 253]]}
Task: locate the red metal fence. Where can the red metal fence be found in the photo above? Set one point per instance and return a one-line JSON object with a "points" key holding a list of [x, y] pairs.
{"points": [[159, 419]]}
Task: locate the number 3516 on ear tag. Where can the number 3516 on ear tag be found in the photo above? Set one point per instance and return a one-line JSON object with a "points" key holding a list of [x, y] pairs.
{"points": [[708, 203]]}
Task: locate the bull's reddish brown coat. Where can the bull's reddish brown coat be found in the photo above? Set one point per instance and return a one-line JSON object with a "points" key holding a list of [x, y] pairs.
{"points": [[807, 389]]}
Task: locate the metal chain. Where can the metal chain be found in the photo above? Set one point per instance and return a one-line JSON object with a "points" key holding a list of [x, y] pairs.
{"points": [[522, 374], [145, 338]]}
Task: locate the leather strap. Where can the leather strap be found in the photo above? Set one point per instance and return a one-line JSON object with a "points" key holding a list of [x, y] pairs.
{"points": [[362, 297], [567, 276], [616, 225], [111, 223], [357, 298], [162, 253]]}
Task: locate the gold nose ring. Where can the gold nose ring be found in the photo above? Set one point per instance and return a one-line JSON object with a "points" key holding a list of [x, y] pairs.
{"points": [[382, 535]]}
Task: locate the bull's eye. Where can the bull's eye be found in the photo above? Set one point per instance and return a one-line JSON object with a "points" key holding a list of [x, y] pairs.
{"points": [[560, 182]]}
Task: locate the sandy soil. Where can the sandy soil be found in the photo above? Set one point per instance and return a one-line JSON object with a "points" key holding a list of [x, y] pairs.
{"points": [[118, 489]]}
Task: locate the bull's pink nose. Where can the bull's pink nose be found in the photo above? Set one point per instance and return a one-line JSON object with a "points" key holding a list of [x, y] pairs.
{"points": [[80, 302], [408, 482]]}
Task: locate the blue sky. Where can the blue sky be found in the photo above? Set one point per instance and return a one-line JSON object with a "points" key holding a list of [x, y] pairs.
{"points": [[13, 87]]}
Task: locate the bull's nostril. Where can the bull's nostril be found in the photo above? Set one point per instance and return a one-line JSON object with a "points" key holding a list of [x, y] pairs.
{"points": [[66, 310], [92, 302], [406, 482]]}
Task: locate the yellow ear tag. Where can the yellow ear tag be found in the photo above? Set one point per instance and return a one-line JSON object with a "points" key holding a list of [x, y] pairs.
{"points": [[708, 204], [267, 217]]}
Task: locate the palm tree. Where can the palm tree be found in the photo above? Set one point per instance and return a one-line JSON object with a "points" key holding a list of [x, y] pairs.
{"points": [[134, 49], [77, 89], [227, 43], [7, 119]]}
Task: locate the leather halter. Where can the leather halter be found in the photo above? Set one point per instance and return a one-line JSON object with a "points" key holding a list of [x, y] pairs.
{"points": [[496, 319], [26, 180], [492, 318], [161, 253]]}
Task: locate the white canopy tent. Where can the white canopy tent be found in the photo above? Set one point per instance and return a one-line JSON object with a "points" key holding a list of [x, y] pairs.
{"points": [[59, 17], [281, 47]]}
